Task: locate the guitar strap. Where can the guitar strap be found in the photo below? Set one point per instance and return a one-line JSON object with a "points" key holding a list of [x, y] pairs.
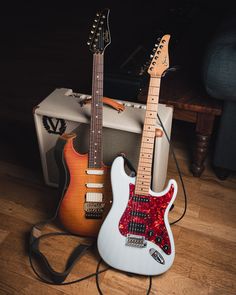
{"points": [[108, 101], [36, 234], [129, 165]]}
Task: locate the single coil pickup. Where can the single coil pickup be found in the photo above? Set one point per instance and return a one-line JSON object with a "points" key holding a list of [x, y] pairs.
{"points": [[138, 214], [93, 215], [135, 241], [136, 227], [94, 206], [140, 199]]}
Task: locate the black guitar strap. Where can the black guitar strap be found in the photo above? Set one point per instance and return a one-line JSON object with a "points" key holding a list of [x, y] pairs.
{"points": [[36, 233], [129, 165]]}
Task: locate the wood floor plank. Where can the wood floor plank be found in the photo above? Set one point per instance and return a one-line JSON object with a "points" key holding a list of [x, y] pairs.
{"points": [[205, 261]]}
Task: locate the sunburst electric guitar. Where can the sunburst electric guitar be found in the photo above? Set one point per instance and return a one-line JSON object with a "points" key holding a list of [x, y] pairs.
{"points": [[88, 196], [136, 235]]}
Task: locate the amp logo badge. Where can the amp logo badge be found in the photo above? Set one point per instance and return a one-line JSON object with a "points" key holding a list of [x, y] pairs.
{"points": [[54, 125]]}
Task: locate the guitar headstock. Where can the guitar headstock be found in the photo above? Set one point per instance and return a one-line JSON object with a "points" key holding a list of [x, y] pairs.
{"points": [[100, 37], [160, 59]]}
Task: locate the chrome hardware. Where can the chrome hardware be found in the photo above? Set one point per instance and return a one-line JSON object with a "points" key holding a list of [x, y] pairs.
{"points": [[135, 241], [157, 256]]}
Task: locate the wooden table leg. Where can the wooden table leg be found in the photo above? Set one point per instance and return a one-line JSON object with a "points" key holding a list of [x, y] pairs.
{"points": [[204, 127]]}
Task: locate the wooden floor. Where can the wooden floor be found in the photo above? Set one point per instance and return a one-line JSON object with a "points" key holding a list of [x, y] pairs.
{"points": [[205, 239]]}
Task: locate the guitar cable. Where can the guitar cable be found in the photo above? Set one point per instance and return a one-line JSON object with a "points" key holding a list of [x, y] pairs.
{"points": [[98, 271], [179, 172]]}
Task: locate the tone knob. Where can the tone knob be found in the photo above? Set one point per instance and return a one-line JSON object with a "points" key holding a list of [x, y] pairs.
{"points": [[158, 239], [165, 248], [150, 233]]}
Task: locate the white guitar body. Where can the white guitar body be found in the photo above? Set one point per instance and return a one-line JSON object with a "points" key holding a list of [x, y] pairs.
{"points": [[148, 258]]}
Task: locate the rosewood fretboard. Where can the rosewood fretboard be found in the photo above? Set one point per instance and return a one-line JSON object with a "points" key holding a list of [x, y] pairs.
{"points": [[95, 138]]}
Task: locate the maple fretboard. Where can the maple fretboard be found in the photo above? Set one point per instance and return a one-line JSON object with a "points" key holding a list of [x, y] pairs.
{"points": [[144, 174]]}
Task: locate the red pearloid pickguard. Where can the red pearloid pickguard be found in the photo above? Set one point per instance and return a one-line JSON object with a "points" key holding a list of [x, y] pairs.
{"points": [[154, 220]]}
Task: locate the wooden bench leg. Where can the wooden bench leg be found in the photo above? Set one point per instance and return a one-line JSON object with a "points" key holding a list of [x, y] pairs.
{"points": [[204, 127]]}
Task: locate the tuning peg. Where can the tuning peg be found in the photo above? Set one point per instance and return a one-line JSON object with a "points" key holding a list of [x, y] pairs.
{"points": [[102, 23], [95, 20], [94, 26], [156, 45], [99, 28], [103, 16], [88, 43], [91, 31], [151, 55], [97, 14], [98, 34], [154, 49]]}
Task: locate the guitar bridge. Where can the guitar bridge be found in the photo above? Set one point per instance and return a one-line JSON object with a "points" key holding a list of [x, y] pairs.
{"points": [[94, 210], [135, 241]]}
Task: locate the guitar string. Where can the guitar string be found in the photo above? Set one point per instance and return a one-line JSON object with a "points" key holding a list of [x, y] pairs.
{"points": [[151, 93]]}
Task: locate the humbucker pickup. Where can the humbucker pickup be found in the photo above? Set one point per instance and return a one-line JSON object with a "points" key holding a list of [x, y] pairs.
{"points": [[94, 209], [135, 241]]}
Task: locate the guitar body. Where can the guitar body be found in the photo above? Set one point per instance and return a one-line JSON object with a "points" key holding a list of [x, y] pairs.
{"points": [[72, 212], [136, 235]]}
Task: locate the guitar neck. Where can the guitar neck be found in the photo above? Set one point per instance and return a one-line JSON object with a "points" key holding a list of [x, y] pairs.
{"points": [[144, 174], [95, 138]]}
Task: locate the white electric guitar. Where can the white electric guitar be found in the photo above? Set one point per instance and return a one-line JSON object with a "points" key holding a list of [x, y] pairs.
{"points": [[136, 235]]}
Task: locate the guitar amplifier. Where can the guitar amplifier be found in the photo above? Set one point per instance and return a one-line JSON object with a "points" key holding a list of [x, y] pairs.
{"points": [[63, 112]]}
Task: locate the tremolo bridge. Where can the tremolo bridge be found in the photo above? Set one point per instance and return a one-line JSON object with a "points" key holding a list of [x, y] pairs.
{"points": [[135, 241]]}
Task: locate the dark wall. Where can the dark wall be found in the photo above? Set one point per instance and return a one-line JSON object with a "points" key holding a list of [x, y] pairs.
{"points": [[43, 46]]}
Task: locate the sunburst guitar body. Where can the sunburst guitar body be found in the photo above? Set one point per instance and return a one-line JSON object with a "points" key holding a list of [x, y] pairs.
{"points": [[88, 197]]}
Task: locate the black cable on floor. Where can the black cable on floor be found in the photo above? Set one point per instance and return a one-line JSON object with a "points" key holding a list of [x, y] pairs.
{"points": [[98, 286], [179, 172]]}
